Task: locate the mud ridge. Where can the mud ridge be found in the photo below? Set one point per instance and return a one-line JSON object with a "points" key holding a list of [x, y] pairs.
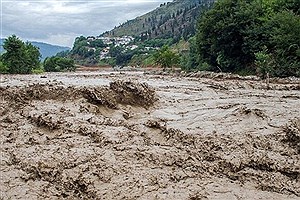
{"points": [[119, 92]]}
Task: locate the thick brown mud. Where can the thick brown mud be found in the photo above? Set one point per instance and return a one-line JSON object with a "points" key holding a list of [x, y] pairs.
{"points": [[135, 136]]}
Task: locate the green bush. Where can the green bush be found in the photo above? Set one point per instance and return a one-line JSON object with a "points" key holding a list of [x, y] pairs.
{"points": [[58, 64], [38, 71], [264, 63], [3, 68], [285, 37], [149, 61], [166, 58]]}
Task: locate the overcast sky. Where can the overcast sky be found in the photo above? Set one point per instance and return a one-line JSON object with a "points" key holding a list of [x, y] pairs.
{"points": [[60, 21]]}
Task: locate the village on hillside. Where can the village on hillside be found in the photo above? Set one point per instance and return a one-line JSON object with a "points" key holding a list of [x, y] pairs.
{"points": [[104, 49]]}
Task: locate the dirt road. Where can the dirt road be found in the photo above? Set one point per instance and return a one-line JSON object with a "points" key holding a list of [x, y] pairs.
{"points": [[111, 135]]}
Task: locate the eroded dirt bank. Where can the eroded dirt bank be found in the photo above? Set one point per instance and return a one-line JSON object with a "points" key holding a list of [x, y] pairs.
{"points": [[134, 136]]}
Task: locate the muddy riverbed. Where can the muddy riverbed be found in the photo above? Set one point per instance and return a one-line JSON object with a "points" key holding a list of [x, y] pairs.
{"points": [[130, 135]]}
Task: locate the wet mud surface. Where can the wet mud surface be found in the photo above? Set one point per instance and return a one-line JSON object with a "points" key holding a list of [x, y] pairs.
{"points": [[114, 135]]}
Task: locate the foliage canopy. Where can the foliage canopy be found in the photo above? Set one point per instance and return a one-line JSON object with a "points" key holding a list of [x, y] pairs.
{"points": [[232, 33], [166, 58], [58, 64], [20, 57]]}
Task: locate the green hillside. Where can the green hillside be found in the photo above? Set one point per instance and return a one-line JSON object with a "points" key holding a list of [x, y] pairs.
{"points": [[136, 41], [173, 19]]}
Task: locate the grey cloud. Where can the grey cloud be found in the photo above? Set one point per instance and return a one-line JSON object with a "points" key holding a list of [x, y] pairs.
{"points": [[59, 22]]}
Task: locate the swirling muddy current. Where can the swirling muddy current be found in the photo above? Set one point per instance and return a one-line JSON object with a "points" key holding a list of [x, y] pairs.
{"points": [[114, 135]]}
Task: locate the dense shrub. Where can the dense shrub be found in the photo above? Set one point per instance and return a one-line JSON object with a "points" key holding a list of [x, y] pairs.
{"points": [[58, 64], [233, 33]]}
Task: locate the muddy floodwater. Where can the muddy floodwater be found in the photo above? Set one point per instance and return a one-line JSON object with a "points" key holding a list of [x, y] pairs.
{"points": [[134, 135]]}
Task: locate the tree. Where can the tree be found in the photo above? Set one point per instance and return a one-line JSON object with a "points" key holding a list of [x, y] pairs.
{"points": [[115, 51], [221, 35], [285, 38], [63, 53], [58, 64], [97, 43], [80, 48], [189, 62], [166, 58], [33, 55], [264, 63], [50, 64], [233, 34], [123, 58], [20, 57]]}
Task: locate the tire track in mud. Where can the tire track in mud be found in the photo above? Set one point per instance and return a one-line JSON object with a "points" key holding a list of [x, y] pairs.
{"points": [[77, 145]]}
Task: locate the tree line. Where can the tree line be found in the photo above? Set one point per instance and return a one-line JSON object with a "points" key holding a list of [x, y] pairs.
{"points": [[259, 37], [249, 36], [23, 58]]}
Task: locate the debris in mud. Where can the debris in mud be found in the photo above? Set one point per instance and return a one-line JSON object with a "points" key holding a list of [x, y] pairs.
{"points": [[154, 124], [79, 187], [22, 96], [122, 92], [292, 134], [231, 81], [228, 106], [199, 195], [100, 96], [217, 86], [119, 92], [247, 111], [128, 92], [127, 114], [170, 134], [48, 120], [220, 76]]}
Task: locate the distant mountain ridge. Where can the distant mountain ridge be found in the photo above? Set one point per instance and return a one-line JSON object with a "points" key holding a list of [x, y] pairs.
{"points": [[172, 19], [47, 50]]}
